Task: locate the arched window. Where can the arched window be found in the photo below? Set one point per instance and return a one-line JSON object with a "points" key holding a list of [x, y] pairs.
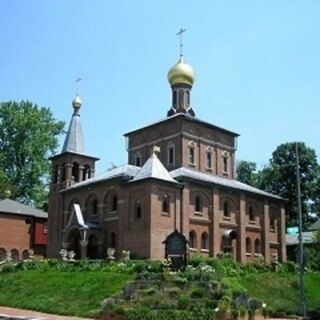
{"points": [[138, 210], [137, 159], [170, 154], [257, 246], [114, 203], [75, 172], [226, 209], [113, 240], [225, 162], [3, 254], [86, 174], [204, 241], [197, 204], [165, 204], [25, 254], [188, 98], [248, 245], [174, 98], [209, 159], [193, 239], [14, 255], [251, 214], [191, 154], [92, 205], [272, 223]]}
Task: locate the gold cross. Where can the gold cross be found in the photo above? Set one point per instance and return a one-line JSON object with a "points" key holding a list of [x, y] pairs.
{"points": [[180, 33], [77, 81]]}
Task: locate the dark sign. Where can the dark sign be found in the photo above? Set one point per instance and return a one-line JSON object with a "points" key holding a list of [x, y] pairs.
{"points": [[176, 250]]}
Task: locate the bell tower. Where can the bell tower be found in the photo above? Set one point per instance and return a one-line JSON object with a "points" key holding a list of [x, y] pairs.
{"points": [[70, 166]]}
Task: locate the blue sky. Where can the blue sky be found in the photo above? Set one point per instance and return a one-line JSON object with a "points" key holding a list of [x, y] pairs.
{"points": [[257, 66]]}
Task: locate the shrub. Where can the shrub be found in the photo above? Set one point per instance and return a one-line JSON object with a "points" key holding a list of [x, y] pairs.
{"points": [[198, 293], [172, 292], [183, 302], [288, 267]]}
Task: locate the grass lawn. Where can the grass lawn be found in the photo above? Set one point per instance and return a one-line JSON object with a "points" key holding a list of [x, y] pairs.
{"points": [[280, 290], [68, 293]]}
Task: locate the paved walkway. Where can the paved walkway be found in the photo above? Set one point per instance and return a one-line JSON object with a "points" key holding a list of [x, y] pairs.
{"points": [[19, 314]]}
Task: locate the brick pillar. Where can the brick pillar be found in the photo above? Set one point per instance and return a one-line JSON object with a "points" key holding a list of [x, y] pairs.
{"points": [[83, 248], [266, 232], [68, 175], [215, 234], [185, 211], [177, 210], [282, 234], [80, 173], [241, 241]]}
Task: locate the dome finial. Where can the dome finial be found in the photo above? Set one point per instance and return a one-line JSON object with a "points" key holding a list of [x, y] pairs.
{"points": [[76, 102]]}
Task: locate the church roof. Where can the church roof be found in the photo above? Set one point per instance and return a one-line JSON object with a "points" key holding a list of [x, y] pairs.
{"points": [[17, 208], [229, 183], [74, 140], [154, 169], [187, 117], [125, 171]]}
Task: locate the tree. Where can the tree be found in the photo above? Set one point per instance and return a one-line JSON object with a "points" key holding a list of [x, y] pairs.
{"points": [[280, 178], [28, 137], [247, 172]]}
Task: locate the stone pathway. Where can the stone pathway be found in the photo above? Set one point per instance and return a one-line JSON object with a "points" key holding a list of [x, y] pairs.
{"points": [[19, 314]]}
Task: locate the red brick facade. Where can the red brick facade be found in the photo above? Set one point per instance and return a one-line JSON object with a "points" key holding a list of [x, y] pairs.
{"points": [[205, 202], [20, 233]]}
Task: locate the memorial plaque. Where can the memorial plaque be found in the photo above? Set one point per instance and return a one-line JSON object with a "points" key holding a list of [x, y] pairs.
{"points": [[176, 250]]}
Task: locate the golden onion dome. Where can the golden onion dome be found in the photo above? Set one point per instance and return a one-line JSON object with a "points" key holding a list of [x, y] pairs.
{"points": [[181, 72], [76, 102]]}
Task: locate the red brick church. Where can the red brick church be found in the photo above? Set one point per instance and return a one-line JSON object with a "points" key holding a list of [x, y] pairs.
{"points": [[180, 175]]}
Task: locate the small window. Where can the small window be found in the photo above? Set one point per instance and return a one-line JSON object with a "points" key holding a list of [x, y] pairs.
{"points": [[137, 159], [225, 164], [209, 160], [138, 210], [226, 209], [181, 98], [248, 245], [251, 214], [205, 241], [188, 97], [165, 204], [191, 153], [114, 203], [174, 98], [197, 204], [257, 246], [192, 239], [272, 223], [170, 154]]}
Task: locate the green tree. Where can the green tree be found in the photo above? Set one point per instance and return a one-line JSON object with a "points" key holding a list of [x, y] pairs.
{"points": [[280, 178], [247, 172], [28, 137]]}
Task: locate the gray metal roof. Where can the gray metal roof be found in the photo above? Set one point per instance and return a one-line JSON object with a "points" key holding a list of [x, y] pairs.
{"points": [[15, 207], [74, 141], [208, 178], [126, 170], [154, 169]]}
